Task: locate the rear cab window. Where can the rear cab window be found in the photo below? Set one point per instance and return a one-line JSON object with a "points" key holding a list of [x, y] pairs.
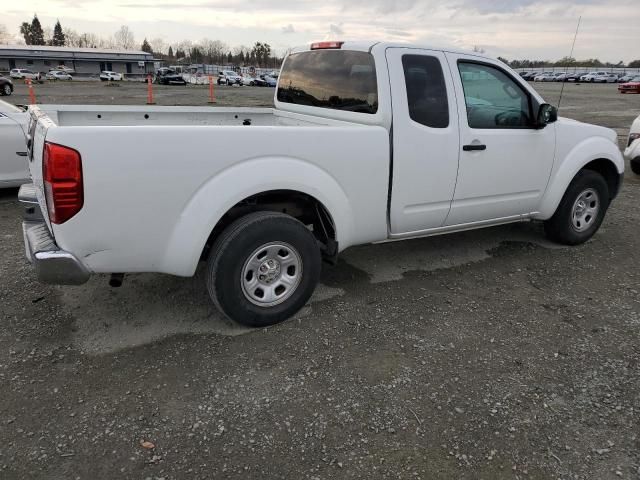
{"points": [[426, 90], [334, 79]]}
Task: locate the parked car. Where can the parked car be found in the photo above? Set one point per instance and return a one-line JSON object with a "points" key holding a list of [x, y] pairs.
{"points": [[168, 76], [630, 87], [63, 68], [627, 78], [573, 77], [229, 77], [24, 73], [320, 172], [632, 153], [544, 77], [58, 75], [606, 78], [269, 81], [250, 81], [530, 76], [14, 168], [6, 86], [591, 76], [274, 74], [109, 76]]}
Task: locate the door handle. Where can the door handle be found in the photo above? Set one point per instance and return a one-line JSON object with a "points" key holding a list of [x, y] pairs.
{"points": [[473, 148], [21, 154]]}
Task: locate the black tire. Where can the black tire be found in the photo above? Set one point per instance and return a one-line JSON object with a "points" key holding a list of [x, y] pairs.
{"points": [[560, 228], [635, 165], [236, 245]]}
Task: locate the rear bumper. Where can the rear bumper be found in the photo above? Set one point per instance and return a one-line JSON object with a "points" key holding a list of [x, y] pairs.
{"points": [[53, 265]]}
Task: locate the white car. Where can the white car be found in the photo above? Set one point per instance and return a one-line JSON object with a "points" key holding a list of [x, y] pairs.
{"points": [[63, 68], [248, 81], [14, 168], [632, 152], [591, 76], [605, 78], [355, 152], [58, 75], [24, 73], [544, 77], [108, 76], [229, 77]]}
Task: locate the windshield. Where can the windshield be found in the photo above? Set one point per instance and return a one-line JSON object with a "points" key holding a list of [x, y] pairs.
{"points": [[335, 79]]}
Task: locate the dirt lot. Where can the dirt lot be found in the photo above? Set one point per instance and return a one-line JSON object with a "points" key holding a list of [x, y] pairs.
{"points": [[483, 355]]}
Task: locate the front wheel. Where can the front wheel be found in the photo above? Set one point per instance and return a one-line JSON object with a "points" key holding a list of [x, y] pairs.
{"points": [[263, 268], [581, 210], [6, 90], [635, 165]]}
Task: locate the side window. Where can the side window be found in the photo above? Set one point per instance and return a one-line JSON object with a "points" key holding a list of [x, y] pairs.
{"points": [[493, 99], [426, 90]]}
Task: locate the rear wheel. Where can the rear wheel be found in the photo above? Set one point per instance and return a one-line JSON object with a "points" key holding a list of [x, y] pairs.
{"points": [[263, 268], [635, 165], [581, 210]]}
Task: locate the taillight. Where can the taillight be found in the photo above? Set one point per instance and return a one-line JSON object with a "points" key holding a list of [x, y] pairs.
{"points": [[632, 138], [326, 45], [62, 174]]}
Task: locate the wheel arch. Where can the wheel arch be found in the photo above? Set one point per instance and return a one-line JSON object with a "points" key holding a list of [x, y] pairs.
{"points": [[255, 185], [597, 154]]}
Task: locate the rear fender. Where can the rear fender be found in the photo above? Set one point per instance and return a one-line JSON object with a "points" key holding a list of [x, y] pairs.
{"points": [[219, 194]]}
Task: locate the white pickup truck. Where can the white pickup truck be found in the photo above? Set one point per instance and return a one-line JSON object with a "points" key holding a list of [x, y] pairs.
{"points": [[368, 142]]}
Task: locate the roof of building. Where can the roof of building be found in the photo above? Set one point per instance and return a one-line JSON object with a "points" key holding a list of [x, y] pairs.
{"points": [[48, 48]]}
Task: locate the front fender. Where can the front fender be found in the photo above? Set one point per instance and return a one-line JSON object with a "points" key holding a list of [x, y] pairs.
{"points": [[594, 148], [238, 182]]}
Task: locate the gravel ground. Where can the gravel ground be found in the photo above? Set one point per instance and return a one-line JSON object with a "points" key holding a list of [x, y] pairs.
{"points": [[482, 355]]}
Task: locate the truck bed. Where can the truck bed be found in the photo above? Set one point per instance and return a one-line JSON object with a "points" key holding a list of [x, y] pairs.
{"points": [[158, 179], [130, 116]]}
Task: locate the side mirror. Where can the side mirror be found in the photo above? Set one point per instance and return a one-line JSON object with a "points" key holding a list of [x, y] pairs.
{"points": [[546, 114]]}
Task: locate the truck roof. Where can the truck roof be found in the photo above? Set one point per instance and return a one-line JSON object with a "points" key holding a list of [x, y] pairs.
{"points": [[365, 46]]}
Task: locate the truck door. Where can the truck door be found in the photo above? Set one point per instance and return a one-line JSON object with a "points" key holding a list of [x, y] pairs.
{"points": [[426, 140], [505, 162]]}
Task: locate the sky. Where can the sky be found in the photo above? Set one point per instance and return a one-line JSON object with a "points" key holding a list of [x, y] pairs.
{"points": [[540, 29]]}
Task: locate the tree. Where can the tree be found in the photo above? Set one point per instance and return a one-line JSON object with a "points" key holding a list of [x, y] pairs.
{"points": [[123, 38], [634, 64], [58, 39], [230, 58], [146, 47], [261, 52], [25, 31], [4, 35], [36, 33], [170, 53]]}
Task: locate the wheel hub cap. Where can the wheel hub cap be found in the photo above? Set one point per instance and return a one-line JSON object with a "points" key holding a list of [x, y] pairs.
{"points": [[585, 210], [271, 274]]}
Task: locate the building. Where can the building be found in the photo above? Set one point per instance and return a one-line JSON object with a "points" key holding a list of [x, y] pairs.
{"points": [[86, 62]]}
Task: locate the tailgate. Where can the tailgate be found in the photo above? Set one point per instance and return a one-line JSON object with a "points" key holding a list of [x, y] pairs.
{"points": [[39, 123]]}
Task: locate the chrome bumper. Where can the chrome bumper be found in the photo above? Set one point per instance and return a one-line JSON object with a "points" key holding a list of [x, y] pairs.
{"points": [[52, 264]]}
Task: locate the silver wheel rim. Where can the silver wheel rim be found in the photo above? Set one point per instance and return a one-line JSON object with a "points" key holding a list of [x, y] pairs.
{"points": [[7, 89], [585, 210], [271, 274]]}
